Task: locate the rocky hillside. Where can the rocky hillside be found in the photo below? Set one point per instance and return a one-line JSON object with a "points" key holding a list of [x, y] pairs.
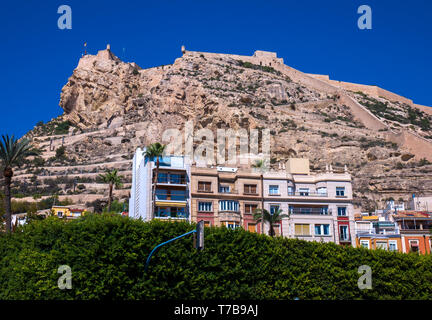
{"points": [[112, 107]]}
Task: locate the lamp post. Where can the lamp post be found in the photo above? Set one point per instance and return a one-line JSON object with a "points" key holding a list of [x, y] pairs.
{"points": [[199, 243]]}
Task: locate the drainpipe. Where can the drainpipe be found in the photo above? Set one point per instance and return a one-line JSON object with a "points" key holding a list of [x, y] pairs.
{"points": [[262, 203]]}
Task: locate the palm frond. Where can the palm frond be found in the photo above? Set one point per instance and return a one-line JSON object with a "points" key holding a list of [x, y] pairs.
{"points": [[13, 151], [154, 150], [112, 177]]}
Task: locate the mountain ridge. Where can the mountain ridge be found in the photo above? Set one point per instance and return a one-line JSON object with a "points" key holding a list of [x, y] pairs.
{"points": [[112, 107]]}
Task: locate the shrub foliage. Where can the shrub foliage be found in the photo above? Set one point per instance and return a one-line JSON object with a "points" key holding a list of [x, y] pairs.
{"points": [[107, 255]]}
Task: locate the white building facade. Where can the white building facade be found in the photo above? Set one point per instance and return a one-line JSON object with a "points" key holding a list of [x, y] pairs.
{"points": [[172, 191]]}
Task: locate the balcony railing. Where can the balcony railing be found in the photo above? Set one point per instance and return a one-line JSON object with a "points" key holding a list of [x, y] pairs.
{"points": [[345, 238], [307, 194], [321, 211], [172, 180], [170, 197], [228, 192], [171, 215]]}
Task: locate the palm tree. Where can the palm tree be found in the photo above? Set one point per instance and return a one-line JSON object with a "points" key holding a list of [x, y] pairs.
{"points": [[13, 152], [264, 215], [114, 180], [153, 152], [261, 166]]}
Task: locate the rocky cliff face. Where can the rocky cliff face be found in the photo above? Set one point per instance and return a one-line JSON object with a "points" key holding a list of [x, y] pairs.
{"points": [[112, 107]]}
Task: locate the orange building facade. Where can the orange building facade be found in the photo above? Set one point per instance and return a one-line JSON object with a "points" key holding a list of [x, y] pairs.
{"points": [[415, 230]]}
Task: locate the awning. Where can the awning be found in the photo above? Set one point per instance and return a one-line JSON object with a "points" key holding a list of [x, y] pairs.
{"points": [[170, 204]]}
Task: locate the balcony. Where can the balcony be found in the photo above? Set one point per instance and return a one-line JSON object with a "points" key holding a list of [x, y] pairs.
{"points": [[304, 210], [415, 231], [234, 192], [172, 179], [171, 215], [308, 194], [163, 196]]}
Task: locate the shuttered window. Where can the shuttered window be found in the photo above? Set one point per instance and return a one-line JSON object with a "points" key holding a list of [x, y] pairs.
{"points": [[250, 208], [250, 188], [204, 186], [302, 230]]}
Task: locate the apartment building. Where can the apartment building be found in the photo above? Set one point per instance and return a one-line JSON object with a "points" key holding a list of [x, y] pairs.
{"points": [[223, 196], [415, 230], [319, 204], [172, 191], [420, 203], [377, 232]]}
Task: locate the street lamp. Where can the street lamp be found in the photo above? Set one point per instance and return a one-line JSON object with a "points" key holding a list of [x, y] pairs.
{"points": [[199, 242]]}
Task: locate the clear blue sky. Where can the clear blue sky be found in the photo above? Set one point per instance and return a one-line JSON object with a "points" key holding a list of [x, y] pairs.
{"points": [[311, 35]]}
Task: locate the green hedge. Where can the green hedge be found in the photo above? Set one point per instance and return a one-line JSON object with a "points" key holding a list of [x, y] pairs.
{"points": [[107, 255]]}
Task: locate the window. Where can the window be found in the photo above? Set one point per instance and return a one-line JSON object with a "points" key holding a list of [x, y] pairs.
{"points": [[178, 195], [413, 244], [162, 177], [305, 210], [304, 191], [381, 245], [322, 229], [170, 212], [161, 194], [341, 211], [340, 191], [343, 233], [250, 188], [392, 245], [274, 190], [204, 186], [290, 191], [178, 212], [204, 206], [228, 205], [276, 229], [250, 208], [207, 224], [301, 229], [60, 214], [232, 225], [162, 212], [224, 189], [251, 227], [364, 243], [176, 179], [324, 210], [274, 208]]}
